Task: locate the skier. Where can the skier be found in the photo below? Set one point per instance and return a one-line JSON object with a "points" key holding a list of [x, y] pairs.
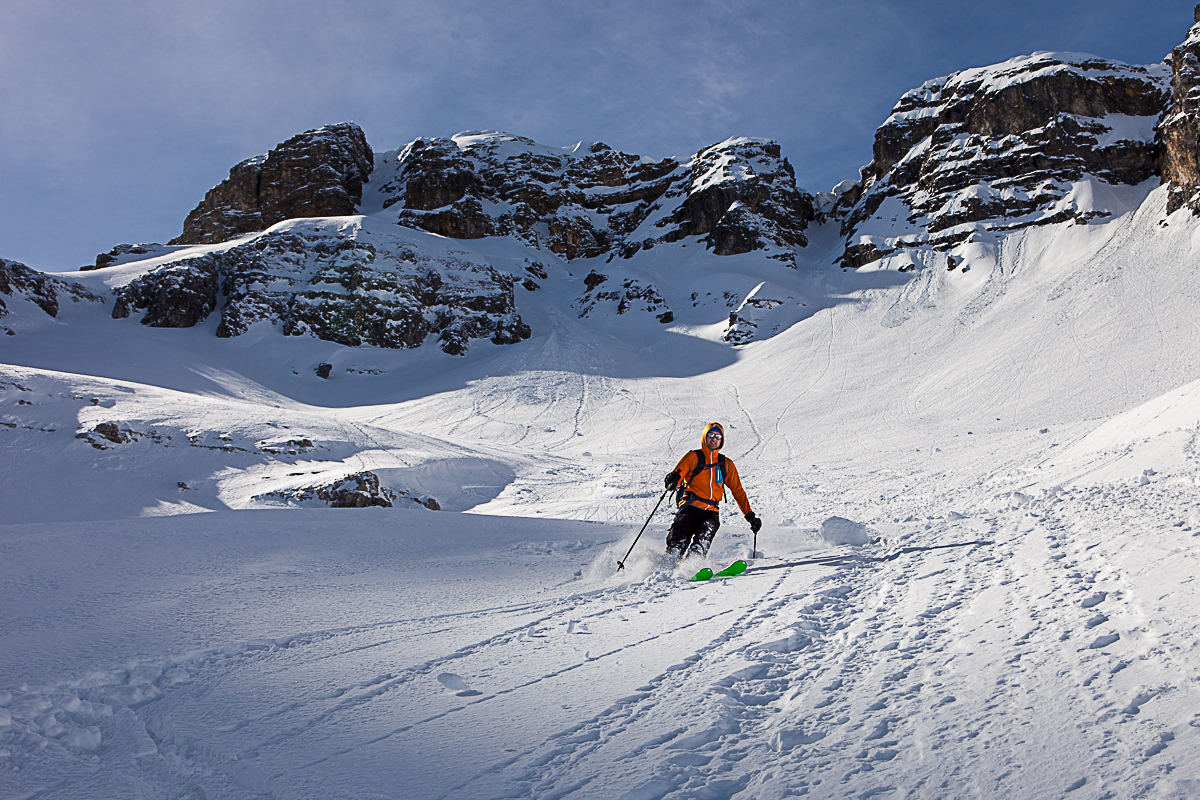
{"points": [[707, 474]]}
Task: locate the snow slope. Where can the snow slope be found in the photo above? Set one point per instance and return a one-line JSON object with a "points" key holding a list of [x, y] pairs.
{"points": [[291, 654], [1036, 406]]}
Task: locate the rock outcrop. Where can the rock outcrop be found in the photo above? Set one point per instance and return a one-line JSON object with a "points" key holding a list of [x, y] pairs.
{"points": [[571, 201], [359, 490], [125, 253], [319, 173], [741, 196], [765, 311], [589, 200], [735, 197], [1003, 146], [18, 281], [627, 295], [177, 295], [336, 283], [1179, 131]]}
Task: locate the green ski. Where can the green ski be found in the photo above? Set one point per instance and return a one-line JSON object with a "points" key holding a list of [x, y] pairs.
{"points": [[736, 568]]}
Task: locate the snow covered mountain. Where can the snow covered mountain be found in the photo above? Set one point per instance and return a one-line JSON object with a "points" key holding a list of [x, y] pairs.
{"points": [[221, 569], [1041, 139], [369, 280], [1027, 142]]}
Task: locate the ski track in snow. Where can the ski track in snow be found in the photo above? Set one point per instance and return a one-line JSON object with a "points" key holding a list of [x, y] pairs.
{"points": [[816, 712]]}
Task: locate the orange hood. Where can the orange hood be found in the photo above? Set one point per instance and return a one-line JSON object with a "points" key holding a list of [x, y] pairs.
{"points": [[704, 437]]}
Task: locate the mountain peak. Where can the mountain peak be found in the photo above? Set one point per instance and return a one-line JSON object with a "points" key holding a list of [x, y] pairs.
{"points": [[318, 173]]}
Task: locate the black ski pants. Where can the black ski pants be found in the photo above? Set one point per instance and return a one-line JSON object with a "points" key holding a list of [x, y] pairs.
{"points": [[692, 531]]}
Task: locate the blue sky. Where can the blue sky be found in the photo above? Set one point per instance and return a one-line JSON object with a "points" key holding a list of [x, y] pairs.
{"points": [[119, 114]]}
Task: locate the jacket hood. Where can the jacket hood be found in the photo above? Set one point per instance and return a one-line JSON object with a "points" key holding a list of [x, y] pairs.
{"points": [[704, 436]]}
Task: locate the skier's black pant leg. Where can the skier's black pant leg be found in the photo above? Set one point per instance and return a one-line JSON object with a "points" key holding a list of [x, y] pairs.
{"points": [[692, 531], [703, 538]]}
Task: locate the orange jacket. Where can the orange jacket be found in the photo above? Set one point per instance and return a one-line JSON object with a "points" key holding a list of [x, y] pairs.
{"points": [[709, 484]]}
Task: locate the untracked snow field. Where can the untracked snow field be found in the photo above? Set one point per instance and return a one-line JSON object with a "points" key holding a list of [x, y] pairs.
{"points": [[1019, 442]]}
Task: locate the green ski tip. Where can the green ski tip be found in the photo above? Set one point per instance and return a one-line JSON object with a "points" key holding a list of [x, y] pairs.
{"points": [[703, 575]]}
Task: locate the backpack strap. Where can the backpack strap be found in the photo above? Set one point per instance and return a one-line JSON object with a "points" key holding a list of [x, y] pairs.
{"points": [[700, 465], [682, 495]]}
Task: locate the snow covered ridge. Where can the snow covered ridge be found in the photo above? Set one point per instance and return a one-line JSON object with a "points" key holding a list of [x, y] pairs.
{"points": [[332, 279], [28, 286], [589, 200], [184, 453], [1006, 146]]}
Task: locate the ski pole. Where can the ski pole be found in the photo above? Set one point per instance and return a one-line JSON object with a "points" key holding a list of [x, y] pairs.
{"points": [[754, 552], [621, 563]]}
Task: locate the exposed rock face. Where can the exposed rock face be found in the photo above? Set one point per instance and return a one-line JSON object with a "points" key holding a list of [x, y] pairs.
{"points": [[1003, 146], [742, 196], [1179, 131], [738, 196], [629, 295], [764, 312], [568, 200], [590, 200], [360, 490], [336, 283], [319, 173], [836, 204], [20, 281], [177, 295], [110, 431]]}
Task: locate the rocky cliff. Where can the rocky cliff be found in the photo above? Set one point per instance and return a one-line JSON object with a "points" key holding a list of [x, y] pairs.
{"points": [[319, 173], [21, 283], [1003, 147], [741, 196], [1179, 131], [590, 200], [337, 282]]}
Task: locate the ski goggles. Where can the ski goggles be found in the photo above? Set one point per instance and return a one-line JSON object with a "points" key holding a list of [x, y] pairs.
{"points": [[715, 435]]}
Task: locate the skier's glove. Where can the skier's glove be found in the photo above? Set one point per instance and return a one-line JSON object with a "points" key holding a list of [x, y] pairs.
{"points": [[755, 522], [672, 480]]}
